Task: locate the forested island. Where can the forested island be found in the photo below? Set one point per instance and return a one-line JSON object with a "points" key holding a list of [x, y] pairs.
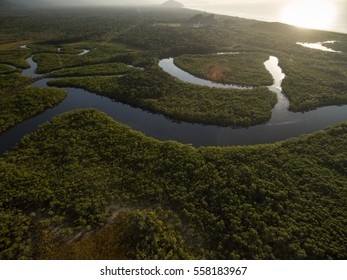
{"points": [[84, 186]]}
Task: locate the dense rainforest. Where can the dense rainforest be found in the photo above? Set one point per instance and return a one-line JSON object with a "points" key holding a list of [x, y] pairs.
{"points": [[84, 186]]}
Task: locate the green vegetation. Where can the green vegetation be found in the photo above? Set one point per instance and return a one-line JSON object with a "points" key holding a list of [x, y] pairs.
{"points": [[117, 68], [154, 90], [131, 234], [99, 53], [47, 48], [84, 172], [15, 57], [26, 103], [5, 69], [337, 46], [312, 83], [11, 82], [307, 87], [160, 33], [18, 101], [83, 183], [240, 69], [47, 62]]}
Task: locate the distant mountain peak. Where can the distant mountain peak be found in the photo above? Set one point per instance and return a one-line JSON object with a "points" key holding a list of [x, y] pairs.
{"points": [[172, 4]]}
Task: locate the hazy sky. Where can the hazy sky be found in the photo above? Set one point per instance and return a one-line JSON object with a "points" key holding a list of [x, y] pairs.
{"points": [[143, 2], [319, 14], [154, 2], [187, 3]]}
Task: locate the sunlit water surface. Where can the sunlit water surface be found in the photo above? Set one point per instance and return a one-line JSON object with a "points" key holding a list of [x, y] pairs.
{"points": [[319, 46]]}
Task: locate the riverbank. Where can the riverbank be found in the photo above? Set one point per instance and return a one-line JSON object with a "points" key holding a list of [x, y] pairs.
{"points": [[282, 125]]}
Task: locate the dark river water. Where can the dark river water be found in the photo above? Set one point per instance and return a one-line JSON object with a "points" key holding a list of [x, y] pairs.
{"points": [[283, 124]]}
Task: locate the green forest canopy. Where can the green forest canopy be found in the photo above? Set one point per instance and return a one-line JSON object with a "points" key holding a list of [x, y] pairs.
{"points": [[84, 182], [84, 172]]}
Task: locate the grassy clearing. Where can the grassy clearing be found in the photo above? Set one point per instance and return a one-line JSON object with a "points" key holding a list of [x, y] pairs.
{"points": [[13, 45]]}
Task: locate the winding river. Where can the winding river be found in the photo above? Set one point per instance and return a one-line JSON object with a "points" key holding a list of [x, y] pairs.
{"points": [[283, 124], [168, 66]]}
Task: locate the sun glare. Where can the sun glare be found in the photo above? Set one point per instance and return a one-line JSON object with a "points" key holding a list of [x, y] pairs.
{"points": [[318, 14]]}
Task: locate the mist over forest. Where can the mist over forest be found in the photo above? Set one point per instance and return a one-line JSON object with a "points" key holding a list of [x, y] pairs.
{"points": [[50, 3]]}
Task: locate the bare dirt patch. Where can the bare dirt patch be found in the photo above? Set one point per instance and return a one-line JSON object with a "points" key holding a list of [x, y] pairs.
{"points": [[218, 70]]}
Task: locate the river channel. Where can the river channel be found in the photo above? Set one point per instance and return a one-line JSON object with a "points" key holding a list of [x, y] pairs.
{"points": [[282, 125]]}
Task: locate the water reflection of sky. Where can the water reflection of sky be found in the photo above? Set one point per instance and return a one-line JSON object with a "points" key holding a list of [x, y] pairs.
{"points": [[283, 124], [319, 46]]}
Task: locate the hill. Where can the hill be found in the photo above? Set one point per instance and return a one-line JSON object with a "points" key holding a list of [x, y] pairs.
{"points": [[202, 20], [172, 4]]}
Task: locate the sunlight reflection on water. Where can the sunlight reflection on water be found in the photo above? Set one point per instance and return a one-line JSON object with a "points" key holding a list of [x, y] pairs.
{"points": [[319, 46]]}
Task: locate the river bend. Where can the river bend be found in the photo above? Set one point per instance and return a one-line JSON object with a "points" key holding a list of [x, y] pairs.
{"points": [[283, 124]]}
